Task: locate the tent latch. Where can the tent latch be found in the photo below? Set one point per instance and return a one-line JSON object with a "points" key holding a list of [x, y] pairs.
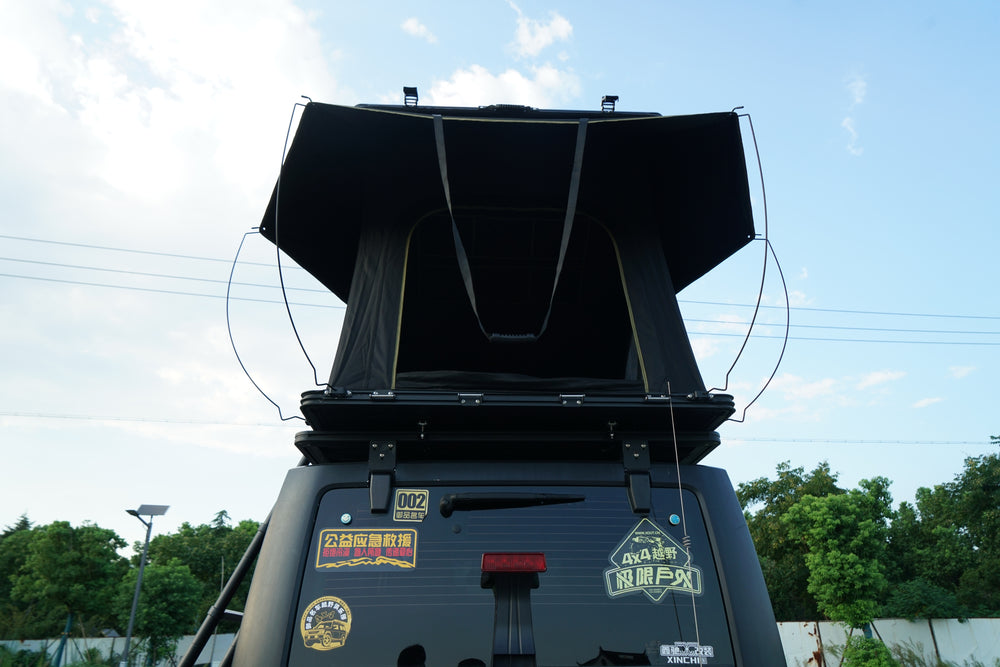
{"points": [[381, 468], [635, 457]]}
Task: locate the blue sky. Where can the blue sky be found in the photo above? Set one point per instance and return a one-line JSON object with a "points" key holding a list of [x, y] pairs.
{"points": [[141, 140]]}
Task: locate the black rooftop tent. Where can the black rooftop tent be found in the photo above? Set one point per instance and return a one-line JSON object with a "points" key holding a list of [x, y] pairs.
{"points": [[361, 204]]}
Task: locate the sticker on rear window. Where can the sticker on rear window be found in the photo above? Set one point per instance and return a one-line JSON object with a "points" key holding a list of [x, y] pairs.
{"points": [[687, 653], [325, 623], [367, 548], [651, 562], [410, 505]]}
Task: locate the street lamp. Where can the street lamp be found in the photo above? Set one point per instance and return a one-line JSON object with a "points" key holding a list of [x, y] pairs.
{"points": [[150, 511]]}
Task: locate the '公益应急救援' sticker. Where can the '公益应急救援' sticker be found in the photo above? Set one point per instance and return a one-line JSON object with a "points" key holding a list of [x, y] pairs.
{"points": [[651, 562], [325, 623], [367, 548], [410, 505]]}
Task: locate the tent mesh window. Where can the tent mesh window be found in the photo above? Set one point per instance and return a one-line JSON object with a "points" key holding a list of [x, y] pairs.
{"points": [[513, 262]]}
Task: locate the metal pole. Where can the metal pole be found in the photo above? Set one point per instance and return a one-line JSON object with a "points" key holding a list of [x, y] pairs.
{"points": [[138, 585]]}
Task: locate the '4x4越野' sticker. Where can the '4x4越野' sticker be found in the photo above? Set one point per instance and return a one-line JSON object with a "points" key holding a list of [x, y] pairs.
{"points": [[410, 505], [367, 549], [649, 561], [325, 623]]}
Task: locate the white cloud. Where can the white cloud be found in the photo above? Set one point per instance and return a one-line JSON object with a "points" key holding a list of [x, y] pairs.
{"points": [[879, 377], [803, 273], [545, 86], [412, 26], [161, 97], [959, 372], [703, 347], [853, 146], [798, 298], [924, 402], [796, 388], [857, 87], [532, 36]]}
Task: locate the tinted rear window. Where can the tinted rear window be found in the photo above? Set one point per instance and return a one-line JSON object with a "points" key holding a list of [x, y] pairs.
{"points": [[407, 587]]}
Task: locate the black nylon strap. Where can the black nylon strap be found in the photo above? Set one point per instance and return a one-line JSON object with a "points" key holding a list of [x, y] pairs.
{"points": [[463, 258]]}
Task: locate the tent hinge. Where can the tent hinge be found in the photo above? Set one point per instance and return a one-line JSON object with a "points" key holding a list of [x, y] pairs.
{"points": [[381, 469], [572, 400], [470, 399], [635, 457]]}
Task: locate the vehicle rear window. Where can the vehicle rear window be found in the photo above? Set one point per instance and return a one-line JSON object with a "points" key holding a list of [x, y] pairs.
{"points": [[407, 587]]}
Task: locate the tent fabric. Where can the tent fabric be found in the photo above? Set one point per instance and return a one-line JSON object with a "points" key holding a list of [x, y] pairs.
{"points": [[360, 205]]}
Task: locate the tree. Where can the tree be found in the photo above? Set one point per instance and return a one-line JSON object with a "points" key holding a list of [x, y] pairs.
{"points": [[211, 551], [782, 559], [69, 570], [943, 551], [15, 619], [168, 606], [846, 538]]}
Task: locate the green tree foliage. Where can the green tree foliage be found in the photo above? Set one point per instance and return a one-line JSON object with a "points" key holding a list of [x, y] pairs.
{"points": [[950, 541], [210, 551], [782, 560], [863, 651], [846, 536], [168, 606], [15, 619], [66, 570]]}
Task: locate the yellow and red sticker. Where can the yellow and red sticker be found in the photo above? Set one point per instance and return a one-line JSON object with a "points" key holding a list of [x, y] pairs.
{"points": [[325, 623], [367, 548]]}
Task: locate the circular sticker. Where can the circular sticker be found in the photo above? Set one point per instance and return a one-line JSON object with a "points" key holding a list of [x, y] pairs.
{"points": [[326, 623]]}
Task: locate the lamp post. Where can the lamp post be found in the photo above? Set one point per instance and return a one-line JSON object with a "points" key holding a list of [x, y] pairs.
{"points": [[150, 511]]}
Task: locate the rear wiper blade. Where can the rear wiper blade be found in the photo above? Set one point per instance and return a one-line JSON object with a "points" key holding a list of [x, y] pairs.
{"points": [[464, 502]]}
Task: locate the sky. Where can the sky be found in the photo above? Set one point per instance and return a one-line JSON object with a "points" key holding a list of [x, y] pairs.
{"points": [[139, 143]]}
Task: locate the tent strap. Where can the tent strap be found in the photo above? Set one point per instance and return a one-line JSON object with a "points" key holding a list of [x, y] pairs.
{"points": [[463, 258]]}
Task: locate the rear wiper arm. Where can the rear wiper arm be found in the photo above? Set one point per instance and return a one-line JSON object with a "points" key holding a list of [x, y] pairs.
{"points": [[464, 502]]}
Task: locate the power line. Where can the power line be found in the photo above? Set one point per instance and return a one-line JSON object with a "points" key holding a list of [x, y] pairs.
{"points": [[683, 301], [852, 340], [195, 422], [842, 310], [340, 307], [828, 441], [159, 275], [132, 250], [843, 328], [324, 291], [163, 291], [143, 420]]}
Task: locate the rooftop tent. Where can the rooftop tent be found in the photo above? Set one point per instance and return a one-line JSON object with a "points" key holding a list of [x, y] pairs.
{"points": [[361, 204]]}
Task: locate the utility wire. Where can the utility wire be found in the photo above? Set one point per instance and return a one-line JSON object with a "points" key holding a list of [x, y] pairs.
{"points": [[165, 291], [681, 301], [130, 250], [325, 291], [170, 276], [341, 307], [195, 422]]}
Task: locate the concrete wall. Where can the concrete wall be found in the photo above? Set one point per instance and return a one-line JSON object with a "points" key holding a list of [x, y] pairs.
{"points": [[963, 643], [76, 648], [809, 644]]}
